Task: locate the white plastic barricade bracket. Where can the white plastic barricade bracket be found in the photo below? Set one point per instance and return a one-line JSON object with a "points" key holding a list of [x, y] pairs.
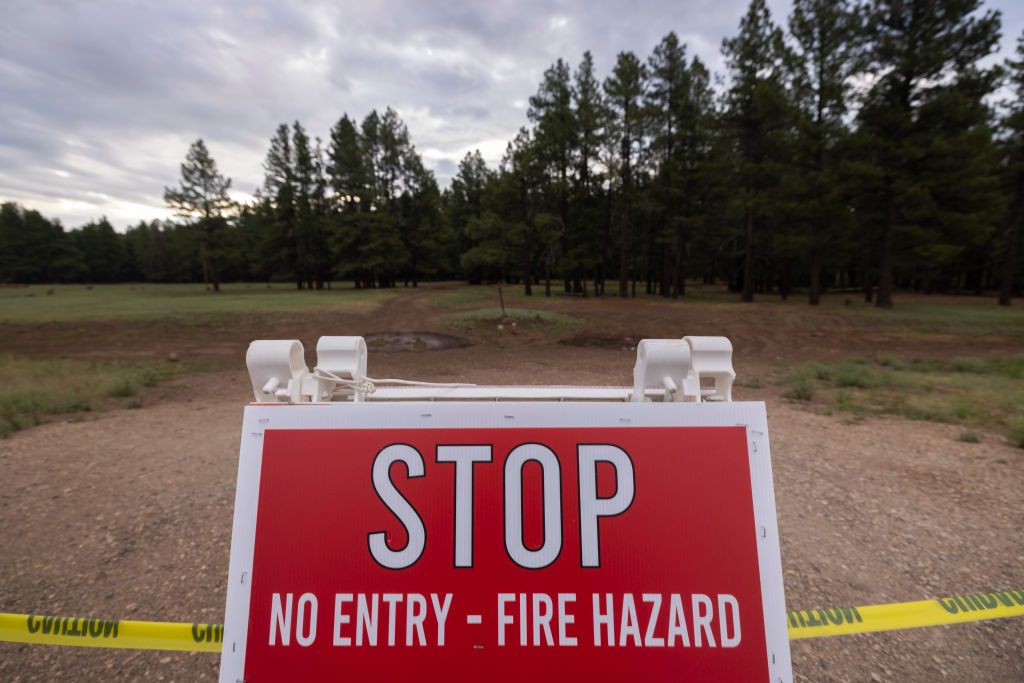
{"points": [[277, 368], [344, 358], [668, 370], [664, 365], [712, 359]]}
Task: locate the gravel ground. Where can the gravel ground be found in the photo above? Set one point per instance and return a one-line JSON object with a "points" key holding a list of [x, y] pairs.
{"points": [[128, 515]]}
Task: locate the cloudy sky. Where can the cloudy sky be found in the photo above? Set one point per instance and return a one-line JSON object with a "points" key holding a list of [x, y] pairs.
{"points": [[99, 100]]}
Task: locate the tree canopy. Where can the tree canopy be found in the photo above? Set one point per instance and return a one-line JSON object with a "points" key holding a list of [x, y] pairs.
{"points": [[869, 145]]}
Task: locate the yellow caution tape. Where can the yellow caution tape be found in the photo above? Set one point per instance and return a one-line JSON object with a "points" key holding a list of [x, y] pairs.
{"points": [[818, 623], [116, 633], [842, 621]]}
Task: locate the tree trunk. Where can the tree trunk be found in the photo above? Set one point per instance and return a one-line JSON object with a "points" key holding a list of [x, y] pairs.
{"points": [[679, 273], [814, 298], [886, 282], [214, 277], [528, 280], [1009, 264], [748, 257], [786, 281], [623, 263], [666, 271]]}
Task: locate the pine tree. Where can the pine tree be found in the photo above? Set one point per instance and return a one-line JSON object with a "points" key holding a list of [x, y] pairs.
{"points": [[103, 250], [1013, 174], [514, 238], [701, 171], [757, 116], [371, 141], [202, 198], [919, 50], [305, 216], [588, 239], [394, 143], [667, 99], [349, 176], [554, 143], [423, 235], [282, 250], [34, 249], [466, 197], [827, 55], [352, 194], [321, 208], [624, 90]]}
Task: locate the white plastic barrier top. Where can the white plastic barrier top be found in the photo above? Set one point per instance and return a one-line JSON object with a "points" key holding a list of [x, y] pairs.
{"points": [[712, 360], [691, 369]]}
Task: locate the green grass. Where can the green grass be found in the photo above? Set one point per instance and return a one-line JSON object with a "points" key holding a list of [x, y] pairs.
{"points": [[33, 391], [802, 388], [980, 392], [34, 304], [475, 295], [515, 319], [461, 295], [974, 316], [1015, 432]]}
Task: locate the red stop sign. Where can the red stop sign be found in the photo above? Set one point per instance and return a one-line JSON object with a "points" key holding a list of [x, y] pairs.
{"points": [[598, 543]]}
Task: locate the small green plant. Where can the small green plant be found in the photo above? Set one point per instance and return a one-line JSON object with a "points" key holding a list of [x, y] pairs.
{"points": [[801, 388], [123, 387], [550, 322], [975, 365], [1015, 432]]}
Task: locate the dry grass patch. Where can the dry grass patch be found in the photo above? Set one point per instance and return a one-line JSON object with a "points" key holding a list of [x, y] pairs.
{"points": [[979, 392]]}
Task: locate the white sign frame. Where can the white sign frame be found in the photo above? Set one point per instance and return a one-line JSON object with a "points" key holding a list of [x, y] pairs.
{"points": [[493, 415]]}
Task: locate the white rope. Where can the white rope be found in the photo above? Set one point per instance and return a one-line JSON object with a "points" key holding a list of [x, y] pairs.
{"points": [[369, 385]]}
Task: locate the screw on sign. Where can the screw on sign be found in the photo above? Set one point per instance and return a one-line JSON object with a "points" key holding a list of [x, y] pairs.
{"points": [[384, 542]]}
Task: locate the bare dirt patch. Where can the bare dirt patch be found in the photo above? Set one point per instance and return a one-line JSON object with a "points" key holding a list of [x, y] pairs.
{"points": [[395, 342]]}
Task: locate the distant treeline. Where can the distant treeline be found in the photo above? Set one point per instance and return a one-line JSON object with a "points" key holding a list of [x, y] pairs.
{"points": [[869, 145]]}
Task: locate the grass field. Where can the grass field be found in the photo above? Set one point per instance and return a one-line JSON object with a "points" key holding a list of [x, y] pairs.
{"points": [[937, 358], [495, 321], [976, 392], [33, 391], [60, 303]]}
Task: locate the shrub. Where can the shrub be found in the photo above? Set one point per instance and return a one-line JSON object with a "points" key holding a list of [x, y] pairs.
{"points": [[1015, 432], [801, 388]]}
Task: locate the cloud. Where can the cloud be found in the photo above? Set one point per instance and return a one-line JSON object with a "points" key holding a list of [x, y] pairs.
{"points": [[99, 101]]}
